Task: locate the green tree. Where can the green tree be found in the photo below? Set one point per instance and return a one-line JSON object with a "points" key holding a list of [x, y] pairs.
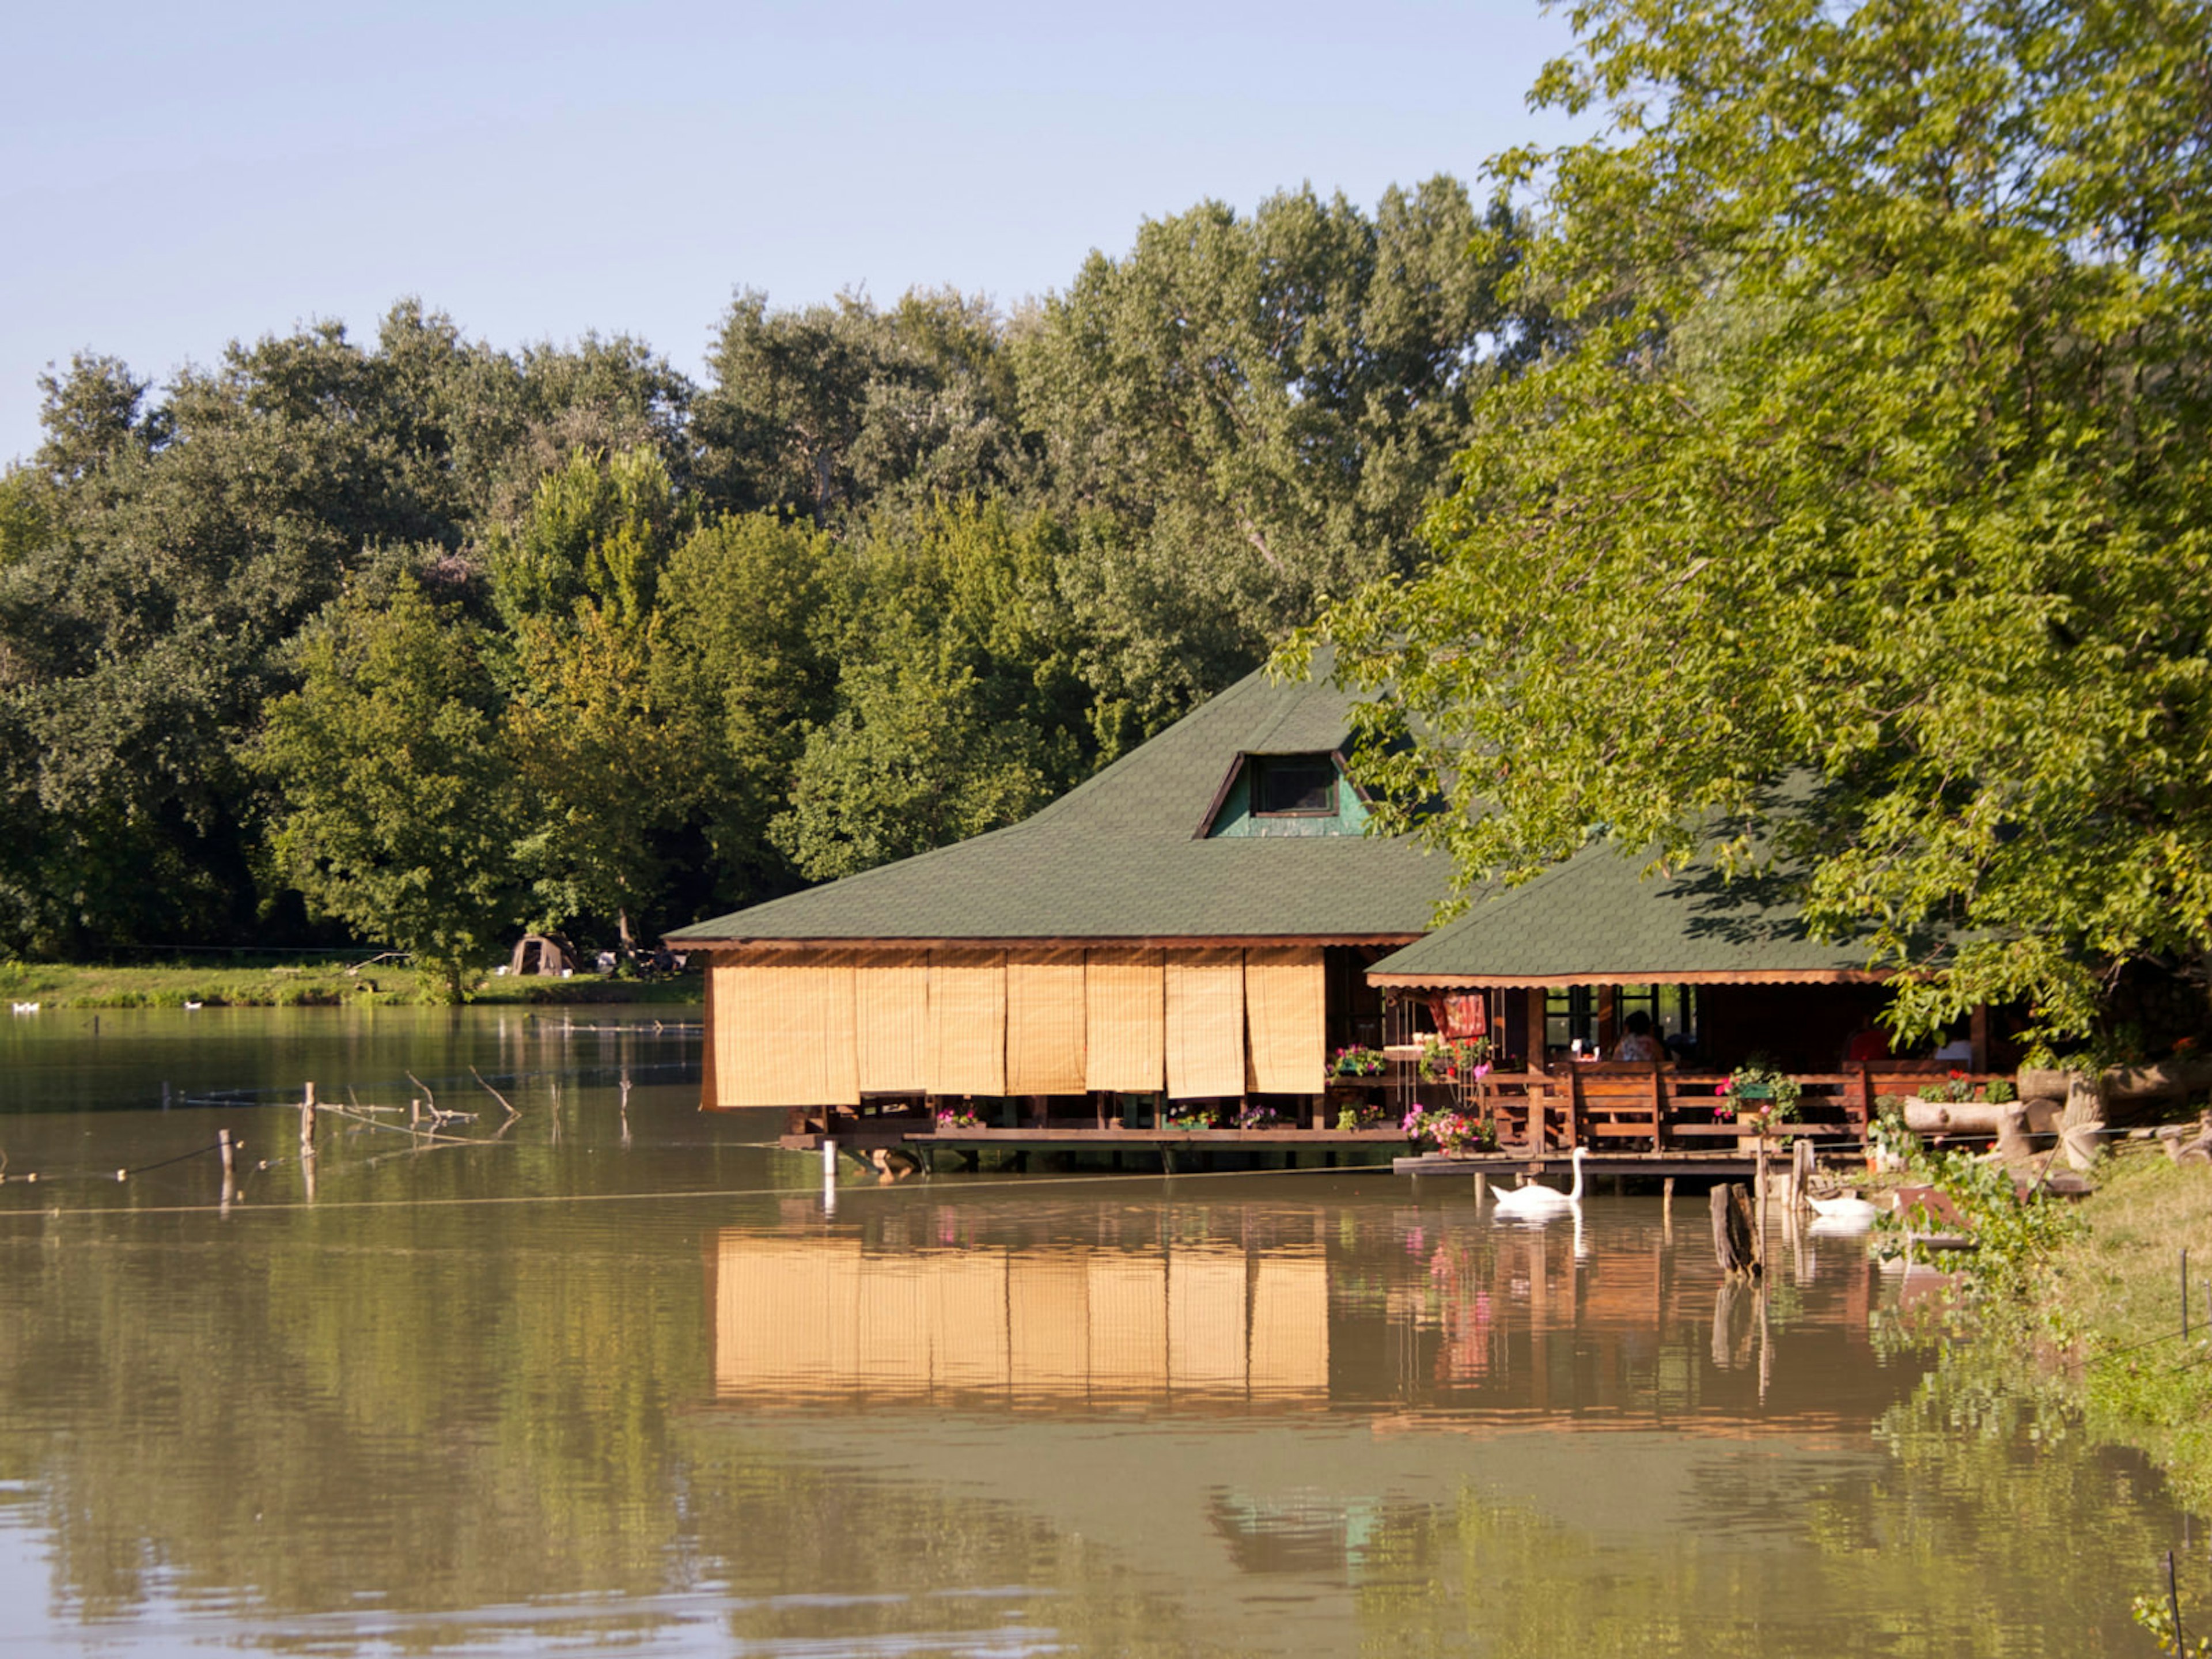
{"points": [[597, 533], [831, 409], [959, 707], [398, 808], [1261, 406], [750, 660], [1879, 473]]}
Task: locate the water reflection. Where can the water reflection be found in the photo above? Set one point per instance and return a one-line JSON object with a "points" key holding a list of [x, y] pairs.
{"points": [[608, 1383]]}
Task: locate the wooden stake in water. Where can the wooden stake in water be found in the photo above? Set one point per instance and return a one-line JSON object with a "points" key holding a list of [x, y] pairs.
{"points": [[229, 1166]]}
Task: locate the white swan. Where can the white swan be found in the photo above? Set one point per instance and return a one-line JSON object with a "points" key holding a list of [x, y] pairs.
{"points": [[1850, 1207], [1532, 1200], [24, 1007]]}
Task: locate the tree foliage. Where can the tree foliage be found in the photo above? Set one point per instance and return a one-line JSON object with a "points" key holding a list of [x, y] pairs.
{"points": [[893, 574], [400, 803], [1869, 505]]}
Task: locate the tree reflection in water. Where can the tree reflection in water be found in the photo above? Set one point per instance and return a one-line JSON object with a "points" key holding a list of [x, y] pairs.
{"points": [[1313, 1416]]}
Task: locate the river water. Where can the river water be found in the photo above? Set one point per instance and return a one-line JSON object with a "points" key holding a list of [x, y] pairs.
{"points": [[613, 1375]]}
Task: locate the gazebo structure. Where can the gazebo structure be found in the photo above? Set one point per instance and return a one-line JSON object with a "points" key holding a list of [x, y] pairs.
{"points": [[1190, 926]]}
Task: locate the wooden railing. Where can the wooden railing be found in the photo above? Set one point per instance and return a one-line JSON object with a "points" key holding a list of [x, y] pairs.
{"points": [[1618, 1107]]}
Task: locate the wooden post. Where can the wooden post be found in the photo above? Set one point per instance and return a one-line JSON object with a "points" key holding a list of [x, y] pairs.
{"points": [[1800, 1173], [1759, 1193], [1482, 1188], [307, 1122], [229, 1166], [414, 1114], [1735, 1243], [1978, 1034], [1667, 1196], [1538, 1003], [1658, 1106]]}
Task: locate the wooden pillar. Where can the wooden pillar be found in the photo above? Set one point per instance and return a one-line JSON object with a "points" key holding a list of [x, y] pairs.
{"points": [[1658, 1106], [1608, 1025], [1979, 1035], [1536, 1006]]}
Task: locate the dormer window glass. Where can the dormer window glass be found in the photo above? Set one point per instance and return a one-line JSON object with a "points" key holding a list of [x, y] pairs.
{"points": [[1293, 785]]}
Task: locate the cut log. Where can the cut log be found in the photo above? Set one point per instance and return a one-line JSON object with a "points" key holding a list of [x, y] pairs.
{"points": [[2012, 1144], [1951, 1117]]}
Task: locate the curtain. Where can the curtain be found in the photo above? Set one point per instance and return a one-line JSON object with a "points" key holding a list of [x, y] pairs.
{"points": [[1044, 1023], [1124, 1003], [892, 997], [1285, 1016], [785, 1033], [967, 1046], [1205, 1023]]}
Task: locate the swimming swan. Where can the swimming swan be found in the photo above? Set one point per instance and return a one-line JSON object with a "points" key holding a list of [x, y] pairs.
{"points": [[1850, 1207], [1532, 1200]]}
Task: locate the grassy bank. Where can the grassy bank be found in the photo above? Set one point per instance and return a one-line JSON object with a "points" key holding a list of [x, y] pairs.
{"points": [[304, 985], [2116, 1294]]}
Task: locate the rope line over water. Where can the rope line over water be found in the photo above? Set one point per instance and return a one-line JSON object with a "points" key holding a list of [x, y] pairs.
{"points": [[1022, 1183]]}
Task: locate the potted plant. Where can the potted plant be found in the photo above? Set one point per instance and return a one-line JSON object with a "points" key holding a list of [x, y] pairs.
{"points": [[1356, 1061], [1756, 1097], [949, 1119]]}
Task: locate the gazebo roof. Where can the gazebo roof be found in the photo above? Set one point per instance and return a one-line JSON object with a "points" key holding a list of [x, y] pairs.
{"points": [[1598, 919], [1124, 857]]}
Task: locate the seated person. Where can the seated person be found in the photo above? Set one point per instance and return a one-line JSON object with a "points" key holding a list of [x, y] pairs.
{"points": [[1638, 1044], [1867, 1044]]}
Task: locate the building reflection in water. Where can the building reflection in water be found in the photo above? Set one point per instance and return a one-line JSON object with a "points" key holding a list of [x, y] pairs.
{"points": [[1243, 1308], [1047, 1326]]}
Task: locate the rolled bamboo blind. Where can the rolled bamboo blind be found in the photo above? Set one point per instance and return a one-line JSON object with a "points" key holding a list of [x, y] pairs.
{"points": [[892, 997], [786, 1033], [1125, 1011], [1045, 1018], [1285, 1016], [967, 1048], [1205, 1023]]}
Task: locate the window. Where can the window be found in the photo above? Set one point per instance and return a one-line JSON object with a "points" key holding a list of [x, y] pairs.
{"points": [[1293, 785]]}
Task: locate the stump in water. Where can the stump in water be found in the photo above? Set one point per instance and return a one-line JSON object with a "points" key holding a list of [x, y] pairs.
{"points": [[1735, 1240]]}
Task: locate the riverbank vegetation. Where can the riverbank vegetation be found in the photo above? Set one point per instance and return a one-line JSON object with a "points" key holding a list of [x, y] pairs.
{"points": [[2115, 1298], [425, 641], [55, 986]]}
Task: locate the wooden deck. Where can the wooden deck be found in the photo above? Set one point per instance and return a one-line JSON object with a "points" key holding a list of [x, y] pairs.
{"points": [[1631, 1119]]}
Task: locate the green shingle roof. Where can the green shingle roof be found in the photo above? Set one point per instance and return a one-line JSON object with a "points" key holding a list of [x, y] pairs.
{"points": [[1118, 856], [1597, 919]]}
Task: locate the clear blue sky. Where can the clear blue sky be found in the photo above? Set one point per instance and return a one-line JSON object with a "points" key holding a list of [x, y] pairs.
{"points": [[175, 177]]}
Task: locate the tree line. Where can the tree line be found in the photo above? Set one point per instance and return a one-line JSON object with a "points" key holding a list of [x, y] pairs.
{"points": [[424, 641], [1868, 522]]}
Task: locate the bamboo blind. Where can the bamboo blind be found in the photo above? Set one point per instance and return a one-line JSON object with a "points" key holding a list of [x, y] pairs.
{"points": [[785, 1037], [892, 997], [1124, 1002], [967, 1047], [1205, 1023], [1045, 1019], [1285, 1017]]}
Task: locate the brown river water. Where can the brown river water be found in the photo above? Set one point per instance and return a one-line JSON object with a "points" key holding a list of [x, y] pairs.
{"points": [[620, 1379]]}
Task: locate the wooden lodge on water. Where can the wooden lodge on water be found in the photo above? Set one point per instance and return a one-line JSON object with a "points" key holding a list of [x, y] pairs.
{"points": [[1188, 937]]}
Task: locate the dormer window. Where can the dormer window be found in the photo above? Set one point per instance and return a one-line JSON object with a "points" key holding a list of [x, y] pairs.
{"points": [[1293, 785]]}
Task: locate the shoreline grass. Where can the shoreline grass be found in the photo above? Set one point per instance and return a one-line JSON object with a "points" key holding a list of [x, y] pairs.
{"points": [[323, 984], [2115, 1292]]}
